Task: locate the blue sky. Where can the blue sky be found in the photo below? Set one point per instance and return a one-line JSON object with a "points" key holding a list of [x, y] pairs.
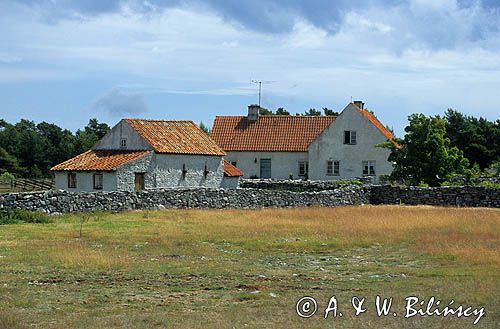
{"points": [[66, 61]]}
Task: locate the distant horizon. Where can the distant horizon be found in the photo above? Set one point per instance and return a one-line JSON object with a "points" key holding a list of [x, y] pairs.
{"points": [[66, 62]]}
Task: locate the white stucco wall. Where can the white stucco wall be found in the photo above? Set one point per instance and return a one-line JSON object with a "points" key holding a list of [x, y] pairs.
{"points": [[282, 163], [112, 140], [165, 171], [230, 182], [85, 181], [330, 146]]}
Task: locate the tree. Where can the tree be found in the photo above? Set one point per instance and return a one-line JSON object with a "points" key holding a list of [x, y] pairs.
{"points": [[479, 139], [90, 135], [264, 111], [282, 111], [425, 154], [312, 112], [328, 111], [8, 163], [204, 128]]}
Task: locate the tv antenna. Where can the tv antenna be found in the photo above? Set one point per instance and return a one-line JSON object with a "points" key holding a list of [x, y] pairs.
{"points": [[260, 82]]}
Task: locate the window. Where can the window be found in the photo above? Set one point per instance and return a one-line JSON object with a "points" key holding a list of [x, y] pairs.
{"points": [[234, 163], [97, 181], [369, 168], [71, 180], [303, 168], [333, 168], [350, 137], [184, 171], [205, 171], [123, 143]]}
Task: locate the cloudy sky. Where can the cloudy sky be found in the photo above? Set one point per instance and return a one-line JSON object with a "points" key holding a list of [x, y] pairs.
{"points": [[65, 61]]}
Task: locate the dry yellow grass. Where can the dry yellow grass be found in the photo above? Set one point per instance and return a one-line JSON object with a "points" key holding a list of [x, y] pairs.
{"points": [[198, 268]]}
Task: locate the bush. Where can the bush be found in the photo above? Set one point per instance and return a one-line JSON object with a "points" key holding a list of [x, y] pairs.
{"points": [[6, 175], [489, 184], [16, 216]]}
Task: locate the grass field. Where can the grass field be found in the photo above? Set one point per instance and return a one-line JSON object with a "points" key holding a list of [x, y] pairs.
{"points": [[248, 268]]}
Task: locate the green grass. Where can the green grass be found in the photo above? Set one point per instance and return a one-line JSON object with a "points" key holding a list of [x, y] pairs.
{"points": [[247, 268]]}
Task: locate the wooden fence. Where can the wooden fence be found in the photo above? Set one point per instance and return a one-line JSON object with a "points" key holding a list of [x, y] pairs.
{"points": [[25, 184]]}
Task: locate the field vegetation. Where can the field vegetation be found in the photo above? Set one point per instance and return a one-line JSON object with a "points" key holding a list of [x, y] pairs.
{"points": [[247, 268]]}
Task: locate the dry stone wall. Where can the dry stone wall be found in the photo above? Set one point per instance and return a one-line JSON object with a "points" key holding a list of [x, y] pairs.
{"points": [[64, 202]]}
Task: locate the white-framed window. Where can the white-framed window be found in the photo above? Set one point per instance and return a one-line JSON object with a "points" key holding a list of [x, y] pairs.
{"points": [[303, 168], [98, 179], [350, 137], [71, 180], [332, 168], [369, 168], [123, 143]]}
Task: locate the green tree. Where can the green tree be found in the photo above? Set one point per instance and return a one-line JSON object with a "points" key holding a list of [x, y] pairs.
{"points": [[328, 111], [204, 128], [264, 111], [8, 163], [282, 111], [479, 139], [90, 135], [312, 112], [425, 155]]}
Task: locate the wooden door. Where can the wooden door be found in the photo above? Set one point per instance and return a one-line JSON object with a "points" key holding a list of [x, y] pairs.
{"points": [[139, 181], [265, 168]]}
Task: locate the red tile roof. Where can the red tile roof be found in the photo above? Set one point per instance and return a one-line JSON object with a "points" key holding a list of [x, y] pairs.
{"points": [[231, 171], [286, 133], [98, 160], [376, 122], [175, 136]]}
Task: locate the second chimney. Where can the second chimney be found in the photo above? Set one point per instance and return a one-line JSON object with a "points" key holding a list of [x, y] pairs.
{"points": [[359, 104], [253, 112]]}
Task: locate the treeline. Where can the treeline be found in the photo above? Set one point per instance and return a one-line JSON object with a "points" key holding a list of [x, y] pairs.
{"points": [[433, 150], [310, 112], [30, 150], [437, 149]]}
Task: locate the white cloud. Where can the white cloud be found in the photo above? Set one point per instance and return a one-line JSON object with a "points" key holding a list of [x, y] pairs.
{"points": [[422, 52]]}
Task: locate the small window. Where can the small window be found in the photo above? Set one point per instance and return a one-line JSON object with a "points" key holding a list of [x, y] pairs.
{"points": [[333, 168], [123, 143], [234, 163], [206, 171], [184, 171], [98, 181], [369, 168], [350, 137], [71, 180], [303, 168]]}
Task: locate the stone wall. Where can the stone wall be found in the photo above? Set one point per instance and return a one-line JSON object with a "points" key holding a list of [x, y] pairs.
{"points": [[295, 185], [461, 196], [64, 202]]}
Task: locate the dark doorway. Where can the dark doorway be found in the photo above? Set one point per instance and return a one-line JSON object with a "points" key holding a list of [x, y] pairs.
{"points": [[265, 168], [139, 181]]}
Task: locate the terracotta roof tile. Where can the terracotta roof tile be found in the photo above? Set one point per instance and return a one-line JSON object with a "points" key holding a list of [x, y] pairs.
{"points": [[286, 133], [98, 160], [376, 122], [175, 136], [231, 171]]}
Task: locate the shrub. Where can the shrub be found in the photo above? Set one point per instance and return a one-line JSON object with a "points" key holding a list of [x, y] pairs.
{"points": [[489, 184], [7, 175], [16, 216]]}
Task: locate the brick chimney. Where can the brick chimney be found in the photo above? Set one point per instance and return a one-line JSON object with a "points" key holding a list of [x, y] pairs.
{"points": [[253, 112], [359, 104]]}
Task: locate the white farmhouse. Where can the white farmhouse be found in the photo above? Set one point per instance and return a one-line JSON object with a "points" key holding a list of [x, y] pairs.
{"points": [[314, 147], [145, 154]]}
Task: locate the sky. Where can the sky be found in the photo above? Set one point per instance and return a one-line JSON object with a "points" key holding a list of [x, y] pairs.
{"points": [[65, 61]]}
